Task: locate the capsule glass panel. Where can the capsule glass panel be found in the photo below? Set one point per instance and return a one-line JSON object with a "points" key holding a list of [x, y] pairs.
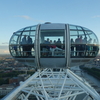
{"points": [[52, 43], [84, 42], [22, 43]]}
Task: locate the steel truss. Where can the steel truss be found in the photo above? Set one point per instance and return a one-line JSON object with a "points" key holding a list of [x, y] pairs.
{"points": [[54, 84]]}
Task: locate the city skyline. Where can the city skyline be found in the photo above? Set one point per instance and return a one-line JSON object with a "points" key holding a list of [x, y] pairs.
{"points": [[21, 13]]}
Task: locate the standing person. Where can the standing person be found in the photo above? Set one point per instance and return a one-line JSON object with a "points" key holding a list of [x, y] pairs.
{"points": [[29, 47], [95, 48], [85, 45], [81, 46], [51, 42], [46, 47], [89, 47], [24, 43], [58, 43], [77, 41], [54, 41], [47, 41]]}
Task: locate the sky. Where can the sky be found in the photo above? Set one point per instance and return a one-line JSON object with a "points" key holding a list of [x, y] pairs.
{"points": [[17, 14]]}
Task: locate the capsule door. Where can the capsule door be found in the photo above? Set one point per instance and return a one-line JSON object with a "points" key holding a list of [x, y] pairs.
{"points": [[52, 48]]}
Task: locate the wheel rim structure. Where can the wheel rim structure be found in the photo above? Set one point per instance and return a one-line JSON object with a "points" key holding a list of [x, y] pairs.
{"points": [[50, 84]]}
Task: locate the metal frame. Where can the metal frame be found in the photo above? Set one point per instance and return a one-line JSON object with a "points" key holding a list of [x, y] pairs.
{"points": [[36, 46], [68, 46], [50, 84]]}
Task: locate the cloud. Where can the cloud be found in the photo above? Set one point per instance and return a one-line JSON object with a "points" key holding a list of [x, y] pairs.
{"points": [[26, 17], [5, 43], [30, 18], [96, 16]]}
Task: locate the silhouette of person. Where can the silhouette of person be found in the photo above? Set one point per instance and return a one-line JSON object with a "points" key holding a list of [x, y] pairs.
{"points": [[81, 46], [95, 48], [58, 43], [29, 47], [46, 47], [77, 41], [47, 42], [24, 45], [85, 45], [54, 41], [89, 47]]}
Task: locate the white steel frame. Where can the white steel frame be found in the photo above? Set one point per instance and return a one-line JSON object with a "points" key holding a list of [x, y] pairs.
{"points": [[48, 84]]}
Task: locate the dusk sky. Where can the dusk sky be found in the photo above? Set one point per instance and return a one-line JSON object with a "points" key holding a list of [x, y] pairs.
{"points": [[17, 14]]}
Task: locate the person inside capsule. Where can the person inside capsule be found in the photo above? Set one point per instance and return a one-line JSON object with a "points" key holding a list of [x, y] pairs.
{"points": [[55, 47], [83, 47], [24, 45]]}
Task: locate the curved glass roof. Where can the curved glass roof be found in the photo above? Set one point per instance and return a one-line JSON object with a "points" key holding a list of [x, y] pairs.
{"points": [[29, 28]]}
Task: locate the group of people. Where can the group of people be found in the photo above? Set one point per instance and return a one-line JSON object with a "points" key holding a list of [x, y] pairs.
{"points": [[51, 46], [26, 48], [82, 46], [79, 46], [48, 41]]}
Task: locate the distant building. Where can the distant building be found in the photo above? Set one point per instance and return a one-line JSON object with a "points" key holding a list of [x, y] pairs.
{"points": [[23, 77], [16, 80], [5, 89]]}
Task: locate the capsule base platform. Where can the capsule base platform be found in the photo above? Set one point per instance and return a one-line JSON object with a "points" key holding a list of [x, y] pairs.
{"points": [[54, 84]]}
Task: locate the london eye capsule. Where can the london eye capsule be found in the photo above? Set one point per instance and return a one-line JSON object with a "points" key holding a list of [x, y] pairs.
{"points": [[54, 45]]}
